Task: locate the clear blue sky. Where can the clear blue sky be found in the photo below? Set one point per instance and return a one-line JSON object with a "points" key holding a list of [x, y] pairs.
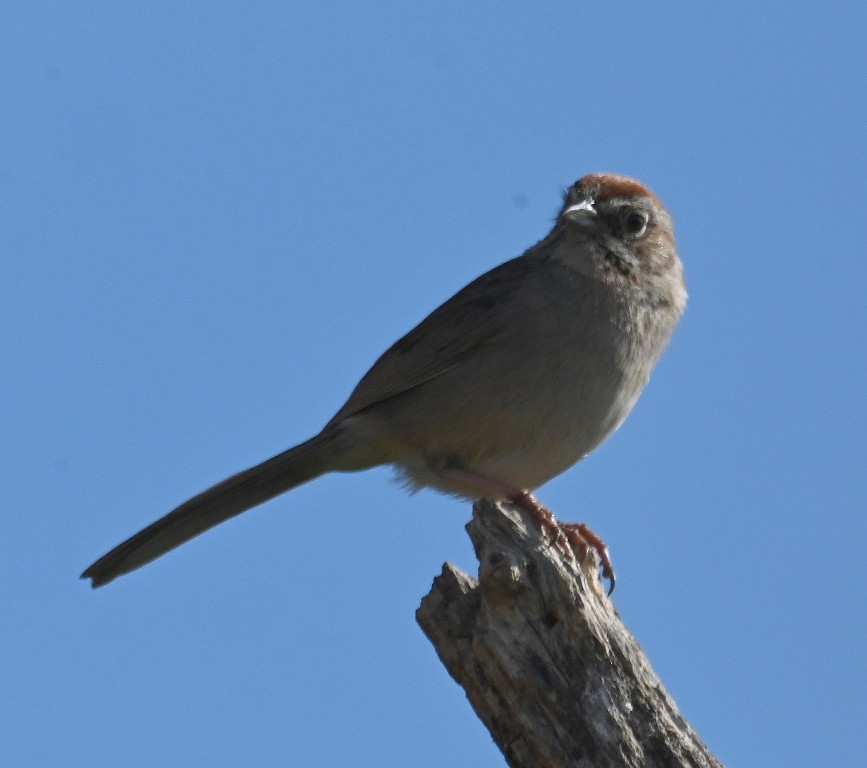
{"points": [[214, 217]]}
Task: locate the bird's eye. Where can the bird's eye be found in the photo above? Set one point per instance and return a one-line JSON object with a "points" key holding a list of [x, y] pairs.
{"points": [[635, 223]]}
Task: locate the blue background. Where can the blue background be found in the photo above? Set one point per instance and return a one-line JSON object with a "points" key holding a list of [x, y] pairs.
{"points": [[214, 218]]}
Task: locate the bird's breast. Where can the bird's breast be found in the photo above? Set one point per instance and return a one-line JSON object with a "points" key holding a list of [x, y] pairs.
{"points": [[530, 404]]}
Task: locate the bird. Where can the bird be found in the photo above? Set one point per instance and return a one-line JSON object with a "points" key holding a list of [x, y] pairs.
{"points": [[510, 382]]}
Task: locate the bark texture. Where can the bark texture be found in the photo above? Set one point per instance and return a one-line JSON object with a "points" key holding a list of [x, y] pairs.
{"points": [[545, 660]]}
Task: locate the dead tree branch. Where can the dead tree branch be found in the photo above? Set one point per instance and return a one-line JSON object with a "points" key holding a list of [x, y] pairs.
{"points": [[545, 660]]}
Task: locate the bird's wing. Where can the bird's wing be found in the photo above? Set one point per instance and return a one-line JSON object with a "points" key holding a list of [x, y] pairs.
{"points": [[445, 338]]}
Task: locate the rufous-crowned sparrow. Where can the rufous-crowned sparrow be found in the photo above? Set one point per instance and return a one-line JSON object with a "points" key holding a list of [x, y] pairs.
{"points": [[510, 382]]}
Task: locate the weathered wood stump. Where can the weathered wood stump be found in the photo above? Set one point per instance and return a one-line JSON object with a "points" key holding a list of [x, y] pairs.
{"points": [[545, 660]]}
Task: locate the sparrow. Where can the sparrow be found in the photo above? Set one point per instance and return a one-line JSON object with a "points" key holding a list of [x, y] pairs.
{"points": [[514, 379]]}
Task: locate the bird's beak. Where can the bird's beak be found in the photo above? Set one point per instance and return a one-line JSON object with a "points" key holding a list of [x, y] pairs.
{"points": [[582, 214]]}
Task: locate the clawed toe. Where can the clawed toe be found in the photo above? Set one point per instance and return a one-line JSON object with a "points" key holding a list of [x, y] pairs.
{"points": [[590, 539], [571, 539]]}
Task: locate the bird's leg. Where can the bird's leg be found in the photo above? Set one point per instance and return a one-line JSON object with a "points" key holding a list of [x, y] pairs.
{"points": [[572, 539]]}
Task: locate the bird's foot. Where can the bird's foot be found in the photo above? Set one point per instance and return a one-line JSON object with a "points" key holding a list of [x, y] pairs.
{"points": [[588, 538], [572, 539]]}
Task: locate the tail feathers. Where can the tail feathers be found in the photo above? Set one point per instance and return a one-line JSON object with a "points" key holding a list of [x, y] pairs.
{"points": [[228, 498]]}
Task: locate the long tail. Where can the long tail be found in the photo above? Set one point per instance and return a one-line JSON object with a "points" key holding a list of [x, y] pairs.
{"points": [[226, 499]]}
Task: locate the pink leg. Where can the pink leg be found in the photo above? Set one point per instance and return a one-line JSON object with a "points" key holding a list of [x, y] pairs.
{"points": [[572, 539]]}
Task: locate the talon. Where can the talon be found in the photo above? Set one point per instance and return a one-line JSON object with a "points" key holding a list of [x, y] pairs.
{"points": [[601, 549]]}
